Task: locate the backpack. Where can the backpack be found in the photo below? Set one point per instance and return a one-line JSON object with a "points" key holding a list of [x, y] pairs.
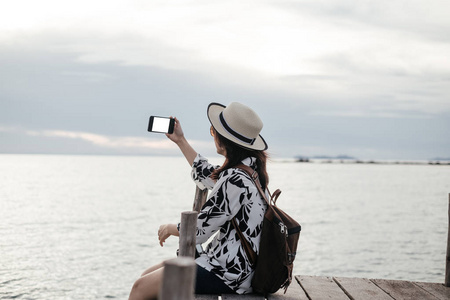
{"points": [[278, 245]]}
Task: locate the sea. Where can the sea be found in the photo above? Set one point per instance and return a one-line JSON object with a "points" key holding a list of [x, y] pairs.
{"points": [[85, 227]]}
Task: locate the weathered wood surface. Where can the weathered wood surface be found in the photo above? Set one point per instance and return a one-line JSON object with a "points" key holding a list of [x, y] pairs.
{"points": [[399, 289], [438, 290], [319, 288], [188, 227], [242, 297], [361, 288], [200, 198], [206, 297], [294, 292], [178, 279], [447, 261]]}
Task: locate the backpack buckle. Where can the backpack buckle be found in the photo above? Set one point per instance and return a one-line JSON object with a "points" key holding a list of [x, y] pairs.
{"points": [[283, 229]]}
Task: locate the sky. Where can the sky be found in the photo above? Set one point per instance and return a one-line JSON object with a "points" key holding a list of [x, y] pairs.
{"points": [[368, 79]]}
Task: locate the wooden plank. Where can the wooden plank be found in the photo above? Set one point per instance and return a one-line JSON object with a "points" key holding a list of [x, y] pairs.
{"points": [[242, 297], [361, 288], [321, 288], [206, 297], [399, 289], [294, 291], [438, 290]]}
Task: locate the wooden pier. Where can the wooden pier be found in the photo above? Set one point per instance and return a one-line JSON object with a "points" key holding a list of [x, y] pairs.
{"points": [[305, 287], [342, 288]]}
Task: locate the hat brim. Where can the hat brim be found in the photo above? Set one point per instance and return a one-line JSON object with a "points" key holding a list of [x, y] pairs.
{"points": [[214, 110]]}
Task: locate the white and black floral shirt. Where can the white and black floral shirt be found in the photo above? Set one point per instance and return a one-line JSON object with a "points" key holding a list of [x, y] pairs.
{"points": [[234, 194]]}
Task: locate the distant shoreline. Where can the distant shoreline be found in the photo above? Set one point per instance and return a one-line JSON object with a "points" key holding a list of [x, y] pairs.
{"points": [[371, 161], [315, 159]]}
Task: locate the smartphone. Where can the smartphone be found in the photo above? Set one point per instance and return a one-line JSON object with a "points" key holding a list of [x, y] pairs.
{"points": [[161, 124]]}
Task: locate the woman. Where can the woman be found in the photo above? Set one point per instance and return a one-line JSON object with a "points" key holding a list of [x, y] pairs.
{"points": [[223, 267]]}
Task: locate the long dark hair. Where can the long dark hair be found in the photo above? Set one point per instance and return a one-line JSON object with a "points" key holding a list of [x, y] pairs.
{"points": [[235, 154]]}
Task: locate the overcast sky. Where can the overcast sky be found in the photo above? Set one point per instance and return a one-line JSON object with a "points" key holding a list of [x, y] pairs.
{"points": [[369, 79]]}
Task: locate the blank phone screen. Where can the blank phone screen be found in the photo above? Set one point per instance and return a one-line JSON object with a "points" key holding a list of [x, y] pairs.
{"points": [[160, 124]]}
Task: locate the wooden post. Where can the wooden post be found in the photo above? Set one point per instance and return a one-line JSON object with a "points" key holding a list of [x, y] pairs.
{"points": [[200, 198], [178, 279], [188, 227], [447, 263]]}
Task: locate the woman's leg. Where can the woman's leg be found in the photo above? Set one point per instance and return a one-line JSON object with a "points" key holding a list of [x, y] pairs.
{"points": [[147, 287], [153, 268]]}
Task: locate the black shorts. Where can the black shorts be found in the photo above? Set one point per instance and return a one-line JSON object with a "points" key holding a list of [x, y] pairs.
{"points": [[208, 283]]}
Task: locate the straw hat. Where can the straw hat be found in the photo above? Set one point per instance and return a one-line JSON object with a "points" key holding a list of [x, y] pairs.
{"points": [[237, 123]]}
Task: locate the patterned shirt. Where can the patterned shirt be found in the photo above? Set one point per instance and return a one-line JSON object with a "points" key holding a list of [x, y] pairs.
{"points": [[234, 194]]}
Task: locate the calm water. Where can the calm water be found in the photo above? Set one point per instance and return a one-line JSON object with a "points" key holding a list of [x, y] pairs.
{"points": [[84, 227]]}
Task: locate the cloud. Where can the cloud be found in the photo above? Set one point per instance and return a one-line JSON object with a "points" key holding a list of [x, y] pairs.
{"points": [[123, 144], [427, 20], [270, 37], [96, 70], [89, 76], [353, 54], [106, 141]]}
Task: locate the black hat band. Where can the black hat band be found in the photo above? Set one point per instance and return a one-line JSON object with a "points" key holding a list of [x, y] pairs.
{"points": [[234, 133]]}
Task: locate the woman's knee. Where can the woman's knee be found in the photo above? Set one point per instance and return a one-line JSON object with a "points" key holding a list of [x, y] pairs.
{"points": [[147, 287], [137, 291]]}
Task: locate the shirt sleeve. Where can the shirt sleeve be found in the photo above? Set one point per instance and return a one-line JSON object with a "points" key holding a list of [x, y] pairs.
{"points": [[223, 204], [201, 172]]}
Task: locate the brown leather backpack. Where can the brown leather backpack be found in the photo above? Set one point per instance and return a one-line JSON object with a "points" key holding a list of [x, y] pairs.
{"points": [[278, 245]]}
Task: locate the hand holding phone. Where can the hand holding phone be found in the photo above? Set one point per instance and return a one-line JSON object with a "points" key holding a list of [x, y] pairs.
{"points": [[161, 124]]}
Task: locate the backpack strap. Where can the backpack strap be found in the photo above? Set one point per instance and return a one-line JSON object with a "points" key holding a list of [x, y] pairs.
{"points": [[251, 254], [255, 177]]}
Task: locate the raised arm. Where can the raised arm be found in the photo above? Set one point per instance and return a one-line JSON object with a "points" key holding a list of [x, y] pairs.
{"points": [[178, 138]]}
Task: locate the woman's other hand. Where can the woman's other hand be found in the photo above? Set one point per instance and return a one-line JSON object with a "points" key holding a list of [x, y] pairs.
{"points": [[165, 231]]}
